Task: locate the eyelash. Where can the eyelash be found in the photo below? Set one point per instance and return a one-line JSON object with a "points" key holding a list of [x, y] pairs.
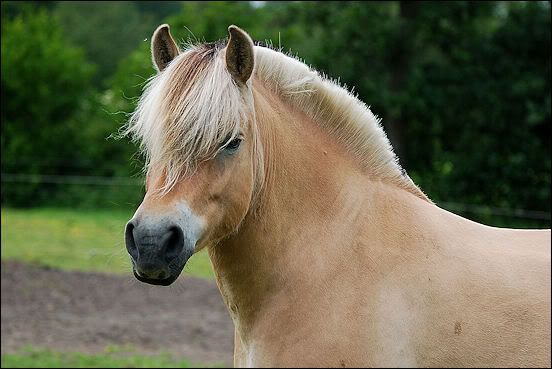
{"points": [[233, 145]]}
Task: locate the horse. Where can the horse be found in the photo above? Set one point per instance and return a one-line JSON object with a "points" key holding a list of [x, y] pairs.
{"points": [[325, 252]]}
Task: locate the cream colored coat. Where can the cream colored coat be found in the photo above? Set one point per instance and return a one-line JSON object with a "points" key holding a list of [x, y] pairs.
{"points": [[351, 272], [325, 253]]}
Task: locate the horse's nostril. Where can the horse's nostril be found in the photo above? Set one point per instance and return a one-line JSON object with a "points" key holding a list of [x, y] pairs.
{"points": [[173, 243], [130, 242]]}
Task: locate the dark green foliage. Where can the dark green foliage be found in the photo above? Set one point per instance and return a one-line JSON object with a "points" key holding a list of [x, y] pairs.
{"points": [[44, 85], [463, 88], [53, 122], [479, 111], [110, 31]]}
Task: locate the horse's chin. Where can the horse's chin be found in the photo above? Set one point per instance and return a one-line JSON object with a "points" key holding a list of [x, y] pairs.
{"points": [[156, 282]]}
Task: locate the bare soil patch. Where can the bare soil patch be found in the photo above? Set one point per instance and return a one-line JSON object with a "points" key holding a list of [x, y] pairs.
{"points": [[87, 312]]}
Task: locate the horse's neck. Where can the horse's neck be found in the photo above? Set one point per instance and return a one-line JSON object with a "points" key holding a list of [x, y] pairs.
{"points": [[316, 202]]}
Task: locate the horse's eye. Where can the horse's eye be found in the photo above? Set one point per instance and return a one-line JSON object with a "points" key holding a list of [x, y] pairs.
{"points": [[233, 145]]}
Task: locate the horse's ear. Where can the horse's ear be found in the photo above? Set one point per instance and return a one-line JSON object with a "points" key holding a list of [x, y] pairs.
{"points": [[163, 47], [240, 57]]}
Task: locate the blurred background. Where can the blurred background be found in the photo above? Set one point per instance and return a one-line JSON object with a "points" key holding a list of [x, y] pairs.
{"points": [[463, 90]]}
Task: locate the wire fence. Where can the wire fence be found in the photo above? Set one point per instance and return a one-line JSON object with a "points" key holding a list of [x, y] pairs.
{"points": [[71, 179], [507, 212], [121, 181]]}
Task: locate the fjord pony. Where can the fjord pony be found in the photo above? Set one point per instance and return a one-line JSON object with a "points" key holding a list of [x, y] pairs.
{"points": [[324, 251]]}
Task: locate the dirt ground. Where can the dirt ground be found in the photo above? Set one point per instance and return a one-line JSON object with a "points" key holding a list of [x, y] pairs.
{"points": [[86, 312]]}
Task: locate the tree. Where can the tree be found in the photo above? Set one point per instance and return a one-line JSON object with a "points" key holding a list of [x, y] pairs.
{"points": [[477, 103], [107, 32], [44, 83]]}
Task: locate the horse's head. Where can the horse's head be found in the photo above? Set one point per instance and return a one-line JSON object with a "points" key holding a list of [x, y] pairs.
{"points": [[196, 123]]}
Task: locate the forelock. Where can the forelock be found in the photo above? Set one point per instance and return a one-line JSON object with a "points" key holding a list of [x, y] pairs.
{"points": [[187, 111]]}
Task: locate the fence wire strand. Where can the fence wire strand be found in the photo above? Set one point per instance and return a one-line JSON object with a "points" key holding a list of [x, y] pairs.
{"points": [[120, 181]]}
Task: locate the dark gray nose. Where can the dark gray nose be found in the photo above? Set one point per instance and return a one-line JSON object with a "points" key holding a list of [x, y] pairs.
{"points": [[153, 247]]}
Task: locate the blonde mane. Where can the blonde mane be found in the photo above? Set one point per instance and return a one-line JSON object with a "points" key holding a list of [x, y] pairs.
{"points": [[193, 107]]}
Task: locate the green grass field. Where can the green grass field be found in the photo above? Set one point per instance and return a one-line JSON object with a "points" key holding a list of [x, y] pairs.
{"points": [[86, 240], [112, 358]]}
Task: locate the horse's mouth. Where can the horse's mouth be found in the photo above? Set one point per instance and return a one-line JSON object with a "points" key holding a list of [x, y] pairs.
{"points": [[157, 282]]}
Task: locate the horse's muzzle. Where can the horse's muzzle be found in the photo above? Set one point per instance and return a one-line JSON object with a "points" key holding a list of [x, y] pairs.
{"points": [[158, 251]]}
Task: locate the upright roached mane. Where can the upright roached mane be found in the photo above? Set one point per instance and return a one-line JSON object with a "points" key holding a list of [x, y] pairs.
{"points": [[192, 107]]}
